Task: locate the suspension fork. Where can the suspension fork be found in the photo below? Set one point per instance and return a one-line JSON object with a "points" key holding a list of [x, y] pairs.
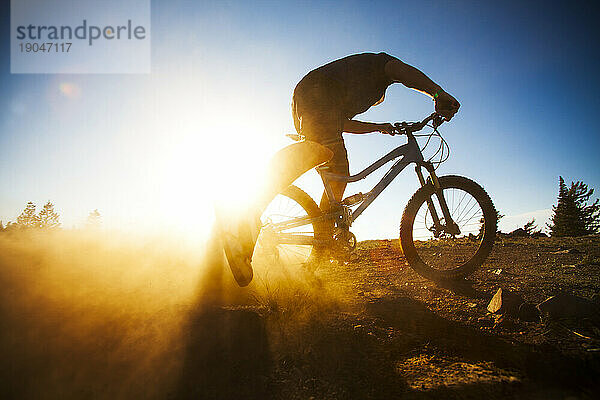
{"points": [[451, 226]]}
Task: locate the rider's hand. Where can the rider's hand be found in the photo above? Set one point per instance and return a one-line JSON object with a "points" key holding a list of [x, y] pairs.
{"points": [[386, 129], [446, 105]]}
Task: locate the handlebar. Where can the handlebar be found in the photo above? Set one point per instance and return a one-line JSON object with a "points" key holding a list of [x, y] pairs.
{"points": [[404, 128]]}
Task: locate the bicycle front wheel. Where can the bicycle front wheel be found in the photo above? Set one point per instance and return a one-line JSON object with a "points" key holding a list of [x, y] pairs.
{"points": [[292, 234], [433, 252]]}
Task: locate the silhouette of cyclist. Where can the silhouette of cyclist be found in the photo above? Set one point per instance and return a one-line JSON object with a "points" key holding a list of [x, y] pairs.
{"points": [[326, 100], [324, 104]]}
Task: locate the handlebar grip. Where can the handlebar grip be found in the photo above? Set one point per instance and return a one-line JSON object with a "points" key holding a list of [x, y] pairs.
{"points": [[438, 120]]}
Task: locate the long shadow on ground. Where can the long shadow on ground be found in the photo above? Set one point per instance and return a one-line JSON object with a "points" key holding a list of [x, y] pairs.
{"points": [[226, 351], [227, 356], [543, 366]]}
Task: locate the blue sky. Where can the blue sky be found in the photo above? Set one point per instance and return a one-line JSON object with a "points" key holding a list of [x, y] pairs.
{"points": [[221, 82]]}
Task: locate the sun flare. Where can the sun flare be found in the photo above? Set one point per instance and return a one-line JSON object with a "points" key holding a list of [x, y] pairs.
{"points": [[209, 167]]}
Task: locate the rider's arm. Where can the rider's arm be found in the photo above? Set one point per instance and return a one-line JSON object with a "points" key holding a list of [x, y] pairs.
{"points": [[411, 77], [359, 127]]}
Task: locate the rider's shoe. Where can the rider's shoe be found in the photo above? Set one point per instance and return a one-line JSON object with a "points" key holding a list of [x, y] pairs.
{"points": [[239, 261], [239, 239]]}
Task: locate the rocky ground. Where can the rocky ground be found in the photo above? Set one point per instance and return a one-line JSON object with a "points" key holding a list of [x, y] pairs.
{"points": [[408, 337]]}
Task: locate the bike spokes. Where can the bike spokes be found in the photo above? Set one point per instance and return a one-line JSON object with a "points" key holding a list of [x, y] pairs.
{"points": [[441, 244], [287, 236]]}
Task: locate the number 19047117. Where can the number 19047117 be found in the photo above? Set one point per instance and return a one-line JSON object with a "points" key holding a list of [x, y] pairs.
{"points": [[47, 47]]}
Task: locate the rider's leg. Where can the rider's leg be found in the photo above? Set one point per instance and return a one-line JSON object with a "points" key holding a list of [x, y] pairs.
{"points": [[288, 164], [317, 121], [240, 232], [337, 165]]}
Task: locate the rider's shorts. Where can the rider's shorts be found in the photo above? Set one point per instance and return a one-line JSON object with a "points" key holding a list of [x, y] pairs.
{"points": [[318, 119], [339, 162]]}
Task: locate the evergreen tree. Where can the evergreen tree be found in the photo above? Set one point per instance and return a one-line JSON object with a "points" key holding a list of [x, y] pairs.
{"points": [[482, 222], [94, 219], [28, 218], [530, 227], [498, 218], [572, 216], [48, 218]]}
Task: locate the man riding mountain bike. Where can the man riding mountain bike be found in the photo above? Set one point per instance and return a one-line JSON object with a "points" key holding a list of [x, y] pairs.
{"points": [[324, 103]]}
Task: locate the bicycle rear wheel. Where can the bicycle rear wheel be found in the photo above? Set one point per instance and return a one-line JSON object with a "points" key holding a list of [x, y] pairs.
{"points": [[291, 234], [436, 254]]}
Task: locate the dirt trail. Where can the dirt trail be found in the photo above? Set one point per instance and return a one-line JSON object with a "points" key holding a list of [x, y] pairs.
{"points": [[84, 318]]}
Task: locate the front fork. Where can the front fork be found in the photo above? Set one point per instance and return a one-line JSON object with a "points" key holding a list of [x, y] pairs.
{"points": [[450, 226]]}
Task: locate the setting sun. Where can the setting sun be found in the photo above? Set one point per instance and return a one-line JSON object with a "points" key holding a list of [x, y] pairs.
{"points": [[220, 164]]}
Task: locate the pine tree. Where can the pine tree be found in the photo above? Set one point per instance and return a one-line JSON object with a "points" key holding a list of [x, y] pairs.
{"points": [[48, 218], [498, 218], [530, 227], [572, 216], [94, 220], [28, 218], [482, 222]]}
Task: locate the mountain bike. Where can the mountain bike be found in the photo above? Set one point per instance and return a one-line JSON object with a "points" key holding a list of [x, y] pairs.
{"points": [[447, 229]]}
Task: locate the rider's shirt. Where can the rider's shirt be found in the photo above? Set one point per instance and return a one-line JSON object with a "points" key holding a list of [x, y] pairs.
{"points": [[349, 85], [336, 92]]}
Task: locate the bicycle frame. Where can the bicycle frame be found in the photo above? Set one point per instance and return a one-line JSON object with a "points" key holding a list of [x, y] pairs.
{"points": [[408, 153]]}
